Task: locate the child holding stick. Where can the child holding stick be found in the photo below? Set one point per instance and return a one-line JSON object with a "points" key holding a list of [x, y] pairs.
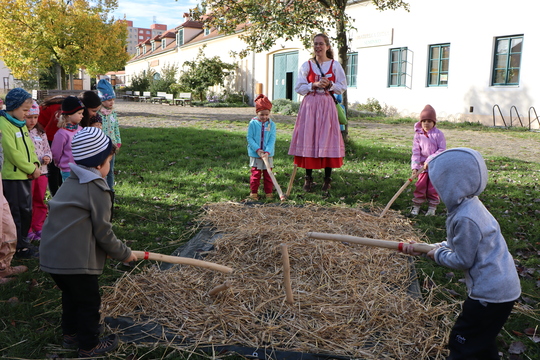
{"points": [[261, 138], [475, 245], [428, 142], [77, 238]]}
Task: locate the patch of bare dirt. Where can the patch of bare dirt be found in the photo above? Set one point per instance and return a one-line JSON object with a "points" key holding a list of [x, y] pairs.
{"points": [[522, 146]]}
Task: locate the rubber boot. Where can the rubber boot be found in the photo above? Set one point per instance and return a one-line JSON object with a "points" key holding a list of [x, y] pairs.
{"points": [[308, 183], [327, 184]]}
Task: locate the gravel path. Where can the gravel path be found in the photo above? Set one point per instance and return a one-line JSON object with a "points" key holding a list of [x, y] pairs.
{"points": [[523, 146]]}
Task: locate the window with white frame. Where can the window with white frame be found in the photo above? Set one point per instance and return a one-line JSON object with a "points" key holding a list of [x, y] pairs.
{"points": [[507, 60], [153, 45], [438, 65], [163, 43]]}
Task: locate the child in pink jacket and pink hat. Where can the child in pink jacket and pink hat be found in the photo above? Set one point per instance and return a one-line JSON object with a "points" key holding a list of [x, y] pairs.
{"points": [[428, 142]]}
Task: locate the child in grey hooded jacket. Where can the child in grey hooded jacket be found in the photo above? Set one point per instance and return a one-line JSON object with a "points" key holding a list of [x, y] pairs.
{"points": [[476, 246]]}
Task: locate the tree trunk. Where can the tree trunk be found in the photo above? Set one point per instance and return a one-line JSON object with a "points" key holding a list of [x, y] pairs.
{"points": [[343, 48]]}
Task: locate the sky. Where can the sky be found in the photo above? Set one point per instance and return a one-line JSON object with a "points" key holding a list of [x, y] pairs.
{"points": [[142, 12]]}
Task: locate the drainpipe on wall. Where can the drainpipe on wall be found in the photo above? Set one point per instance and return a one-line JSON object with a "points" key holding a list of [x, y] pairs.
{"points": [[253, 78]]}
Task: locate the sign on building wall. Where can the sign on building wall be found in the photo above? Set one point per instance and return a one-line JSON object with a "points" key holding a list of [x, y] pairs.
{"points": [[375, 38], [154, 63]]}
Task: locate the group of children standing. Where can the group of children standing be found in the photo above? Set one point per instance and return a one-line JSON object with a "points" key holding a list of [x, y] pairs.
{"points": [[76, 236]]}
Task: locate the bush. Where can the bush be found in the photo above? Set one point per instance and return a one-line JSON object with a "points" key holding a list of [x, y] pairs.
{"points": [[371, 106], [285, 107]]}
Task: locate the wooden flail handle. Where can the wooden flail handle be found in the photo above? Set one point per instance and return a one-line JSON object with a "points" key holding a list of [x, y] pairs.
{"points": [[145, 255], [274, 181], [401, 189], [388, 244]]}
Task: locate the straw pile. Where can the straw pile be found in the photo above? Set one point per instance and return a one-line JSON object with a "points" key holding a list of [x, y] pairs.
{"points": [[349, 300]]}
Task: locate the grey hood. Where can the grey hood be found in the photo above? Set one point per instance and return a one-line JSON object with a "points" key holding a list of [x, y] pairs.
{"points": [[458, 174]]}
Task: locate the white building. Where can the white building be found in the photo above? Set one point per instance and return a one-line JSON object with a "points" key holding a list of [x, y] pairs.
{"points": [[468, 59]]}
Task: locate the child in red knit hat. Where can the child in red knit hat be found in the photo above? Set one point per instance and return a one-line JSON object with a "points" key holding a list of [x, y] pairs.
{"points": [[428, 142], [261, 140]]}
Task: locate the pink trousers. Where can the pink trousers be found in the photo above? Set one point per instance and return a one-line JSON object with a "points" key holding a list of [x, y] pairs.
{"points": [[425, 191], [8, 232], [39, 209], [255, 181]]}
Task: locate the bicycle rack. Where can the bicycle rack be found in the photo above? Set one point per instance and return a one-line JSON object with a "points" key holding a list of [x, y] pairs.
{"points": [[500, 113], [517, 113], [535, 117]]}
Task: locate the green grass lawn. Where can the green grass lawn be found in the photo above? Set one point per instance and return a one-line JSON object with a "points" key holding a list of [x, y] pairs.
{"points": [[164, 177]]}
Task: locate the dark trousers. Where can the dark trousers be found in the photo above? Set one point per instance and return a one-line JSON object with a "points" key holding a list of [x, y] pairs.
{"points": [[18, 194], [80, 307], [54, 176], [474, 334]]}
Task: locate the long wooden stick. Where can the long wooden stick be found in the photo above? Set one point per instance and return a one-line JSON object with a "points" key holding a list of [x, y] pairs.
{"points": [[287, 273], [274, 181], [145, 255], [403, 187], [419, 247], [291, 181]]}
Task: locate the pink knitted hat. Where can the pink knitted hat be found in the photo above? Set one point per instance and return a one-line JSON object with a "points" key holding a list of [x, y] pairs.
{"points": [[428, 114], [34, 110]]}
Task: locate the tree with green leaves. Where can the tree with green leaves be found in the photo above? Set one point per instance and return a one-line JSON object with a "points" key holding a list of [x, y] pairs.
{"points": [[264, 22], [201, 73], [35, 34]]}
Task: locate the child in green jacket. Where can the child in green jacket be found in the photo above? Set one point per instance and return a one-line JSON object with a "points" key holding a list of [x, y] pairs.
{"points": [[21, 166]]}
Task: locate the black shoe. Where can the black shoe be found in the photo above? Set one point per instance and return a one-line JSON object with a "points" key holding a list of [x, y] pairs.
{"points": [[30, 252], [71, 341], [105, 345]]}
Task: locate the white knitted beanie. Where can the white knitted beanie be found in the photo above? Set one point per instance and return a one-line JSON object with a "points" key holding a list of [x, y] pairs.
{"points": [[90, 147]]}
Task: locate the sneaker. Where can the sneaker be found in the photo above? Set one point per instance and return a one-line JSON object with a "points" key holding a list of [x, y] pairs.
{"points": [[30, 252], [70, 342], [269, 196], [104, 346], [37, 235], [31, 236], [13, 270], [254, 196], [415, 210], [430, 211]]}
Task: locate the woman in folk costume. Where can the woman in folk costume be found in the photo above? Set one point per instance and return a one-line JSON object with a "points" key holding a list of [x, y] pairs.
{"points": [[317, 142]]}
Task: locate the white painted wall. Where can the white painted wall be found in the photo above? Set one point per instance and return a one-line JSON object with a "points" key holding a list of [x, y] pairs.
{"points": [[471, 28]]}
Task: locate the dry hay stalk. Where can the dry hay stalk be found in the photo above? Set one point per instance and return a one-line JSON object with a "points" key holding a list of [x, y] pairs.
{"points": [[349, 300]]}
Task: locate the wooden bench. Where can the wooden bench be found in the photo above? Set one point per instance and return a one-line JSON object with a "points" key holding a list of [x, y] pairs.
{"points": [[145, 96], [183, 98], [135, 96], [159, 98], [169, 99], [127, 95]]}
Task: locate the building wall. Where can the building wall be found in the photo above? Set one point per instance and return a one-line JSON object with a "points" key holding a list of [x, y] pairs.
{"points": [[471, 28]]}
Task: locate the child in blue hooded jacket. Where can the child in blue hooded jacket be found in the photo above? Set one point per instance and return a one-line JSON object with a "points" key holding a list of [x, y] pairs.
{"points": [[475, 245], [261, 138]]}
